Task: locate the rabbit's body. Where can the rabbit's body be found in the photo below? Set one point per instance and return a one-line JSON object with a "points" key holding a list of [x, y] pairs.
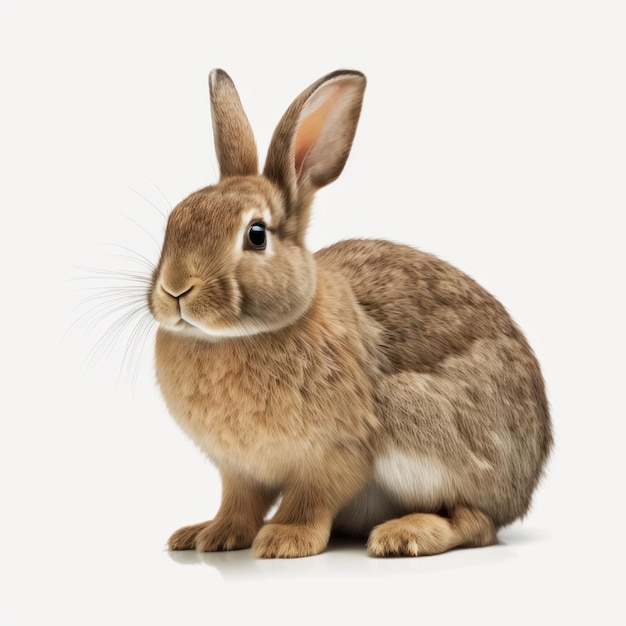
{"points": [[368, 385], [456, 392]]}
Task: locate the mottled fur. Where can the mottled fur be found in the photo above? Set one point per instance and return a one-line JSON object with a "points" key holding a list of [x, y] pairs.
{"points": [[373, 388]]}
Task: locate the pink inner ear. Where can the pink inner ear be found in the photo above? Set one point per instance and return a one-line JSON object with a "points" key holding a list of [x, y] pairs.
{"points": [[310, 128]]}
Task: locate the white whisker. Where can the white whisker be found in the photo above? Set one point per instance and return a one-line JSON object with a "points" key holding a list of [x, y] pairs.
{"points": [[116, 301], [99, 273], [135, 257], [135, 346], [169, 204], [145, 230], [154, 206], [112, 306], [108, 340]]}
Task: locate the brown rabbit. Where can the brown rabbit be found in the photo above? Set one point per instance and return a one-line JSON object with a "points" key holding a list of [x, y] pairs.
{"points": [[373, 388]]}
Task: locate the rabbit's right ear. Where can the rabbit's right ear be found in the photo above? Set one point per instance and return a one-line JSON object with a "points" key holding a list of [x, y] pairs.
{"points": [[234, 140], [312, 141]]}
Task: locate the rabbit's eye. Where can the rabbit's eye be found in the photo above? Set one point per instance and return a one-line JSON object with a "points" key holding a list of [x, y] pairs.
{"points": [[256, 238]]}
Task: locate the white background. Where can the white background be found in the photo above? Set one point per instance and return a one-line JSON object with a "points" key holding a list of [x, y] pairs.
{"points": [[493, 134]]}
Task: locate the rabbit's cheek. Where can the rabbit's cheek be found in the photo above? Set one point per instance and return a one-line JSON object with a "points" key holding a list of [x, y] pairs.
{"points": [[277, 296], [216, 300]]}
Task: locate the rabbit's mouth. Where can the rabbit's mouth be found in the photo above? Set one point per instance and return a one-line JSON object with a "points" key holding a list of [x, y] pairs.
{"points": [[224, 330], [179, 325], [182, 324], [187, 327]]}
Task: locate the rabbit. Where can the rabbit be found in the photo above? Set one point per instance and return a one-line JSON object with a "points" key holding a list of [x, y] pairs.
{"points": [[368, 389]]}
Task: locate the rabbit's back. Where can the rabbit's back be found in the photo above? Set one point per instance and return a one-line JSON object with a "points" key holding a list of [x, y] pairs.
{"points": [[428, 309]]}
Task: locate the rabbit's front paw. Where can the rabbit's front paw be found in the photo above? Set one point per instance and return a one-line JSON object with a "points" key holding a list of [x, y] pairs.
{"points": [[213, 536], [185, 538], [284, 541]]}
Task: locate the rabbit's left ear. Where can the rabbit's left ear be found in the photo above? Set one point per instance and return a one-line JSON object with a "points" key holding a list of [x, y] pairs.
{"points": [[312, 141], [234, 140]]}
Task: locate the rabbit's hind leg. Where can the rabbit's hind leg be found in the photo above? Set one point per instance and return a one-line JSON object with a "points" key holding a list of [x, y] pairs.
{"points": [[423, 534]]}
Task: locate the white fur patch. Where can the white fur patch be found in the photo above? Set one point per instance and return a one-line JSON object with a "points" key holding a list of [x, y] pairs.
{"points": [[235, 330], [401, 483], [412, 479]]}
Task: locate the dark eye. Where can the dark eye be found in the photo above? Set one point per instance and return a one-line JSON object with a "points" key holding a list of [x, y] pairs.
{"points": [[256, 238]]}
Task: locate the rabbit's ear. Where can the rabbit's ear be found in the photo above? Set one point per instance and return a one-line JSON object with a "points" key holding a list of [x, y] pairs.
{"points": [[312, 141], [234, 140]]}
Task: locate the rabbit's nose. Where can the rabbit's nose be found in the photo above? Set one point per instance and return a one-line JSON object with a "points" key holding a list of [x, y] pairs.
{"points": [[176, 293]]}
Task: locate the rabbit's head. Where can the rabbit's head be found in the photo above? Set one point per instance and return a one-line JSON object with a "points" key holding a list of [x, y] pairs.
{"points": [[233, 261]]}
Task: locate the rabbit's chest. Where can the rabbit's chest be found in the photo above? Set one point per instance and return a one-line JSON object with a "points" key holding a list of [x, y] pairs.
{"points": [[252, 416], [268, 406], [235, 419]]}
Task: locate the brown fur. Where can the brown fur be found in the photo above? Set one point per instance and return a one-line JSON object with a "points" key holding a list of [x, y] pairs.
{"points": [[367, 382]]}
